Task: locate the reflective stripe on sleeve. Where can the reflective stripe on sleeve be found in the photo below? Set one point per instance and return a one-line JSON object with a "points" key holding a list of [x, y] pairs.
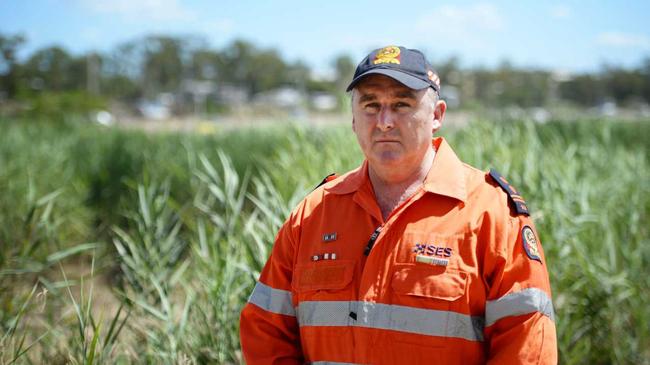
{"points": [[522, 302], [391, 317], [272, 300]]}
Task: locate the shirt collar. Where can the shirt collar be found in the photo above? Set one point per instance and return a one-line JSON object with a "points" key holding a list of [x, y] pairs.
{"points": [[446, 176]]}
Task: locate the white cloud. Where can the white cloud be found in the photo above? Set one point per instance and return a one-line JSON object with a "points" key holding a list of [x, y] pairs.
{"points": [[454, 19], [141, 10], [560, 12], [619, 39]]}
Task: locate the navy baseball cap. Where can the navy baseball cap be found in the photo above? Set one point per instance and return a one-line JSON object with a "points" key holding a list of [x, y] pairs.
{"points": [[408, 66]]}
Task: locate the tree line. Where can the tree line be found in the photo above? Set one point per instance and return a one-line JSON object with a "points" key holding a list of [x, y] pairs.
{"points": [[145, 67]]}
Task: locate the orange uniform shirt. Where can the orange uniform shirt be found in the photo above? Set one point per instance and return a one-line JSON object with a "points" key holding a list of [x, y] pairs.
{"points": [[456, 275]]}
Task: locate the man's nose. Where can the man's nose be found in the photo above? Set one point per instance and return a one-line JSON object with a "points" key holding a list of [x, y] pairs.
{"points": [[386, 119]]}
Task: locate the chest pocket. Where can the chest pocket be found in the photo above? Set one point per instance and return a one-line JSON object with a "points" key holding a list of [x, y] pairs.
{"points": [[425, 285], [424, 300], [323, 276]]}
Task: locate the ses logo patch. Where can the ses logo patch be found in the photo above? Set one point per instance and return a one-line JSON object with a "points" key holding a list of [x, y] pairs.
{"points": [[432, 254], [432, 250]]}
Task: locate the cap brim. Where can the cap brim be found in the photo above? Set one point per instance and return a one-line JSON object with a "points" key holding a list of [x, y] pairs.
{"points": [[407, 80]]}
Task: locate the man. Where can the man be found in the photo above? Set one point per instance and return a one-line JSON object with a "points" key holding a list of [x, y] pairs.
{"points": [[412, 258]]}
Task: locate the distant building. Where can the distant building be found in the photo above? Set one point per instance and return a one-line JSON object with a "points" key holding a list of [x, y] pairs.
{"points": [[232, 95], [323, 102], [159, 108], [284, 97], [607, 108]]}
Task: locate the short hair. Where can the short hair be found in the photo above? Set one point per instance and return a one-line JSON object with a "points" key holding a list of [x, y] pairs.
{"points": [[435, 95]]}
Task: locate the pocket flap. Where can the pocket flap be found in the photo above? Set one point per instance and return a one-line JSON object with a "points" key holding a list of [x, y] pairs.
{"points": [[323, 275], [429, 282]]}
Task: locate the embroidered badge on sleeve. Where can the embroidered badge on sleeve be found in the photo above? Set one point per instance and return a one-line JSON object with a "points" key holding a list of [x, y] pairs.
{"points": [[531, 245]]}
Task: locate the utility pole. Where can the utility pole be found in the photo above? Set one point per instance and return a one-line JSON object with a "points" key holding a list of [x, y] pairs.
{"points": [[92, 74]]}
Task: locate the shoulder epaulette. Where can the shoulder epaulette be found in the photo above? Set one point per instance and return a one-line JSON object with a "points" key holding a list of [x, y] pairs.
{"points": [[327, 178], [513, 194]]}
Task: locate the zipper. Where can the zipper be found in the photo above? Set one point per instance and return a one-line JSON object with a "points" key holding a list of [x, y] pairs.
{"points": [[371, 241], [377, 231]]}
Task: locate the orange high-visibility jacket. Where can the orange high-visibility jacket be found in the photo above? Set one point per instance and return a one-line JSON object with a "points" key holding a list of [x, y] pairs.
{"points": [[455, 275]]}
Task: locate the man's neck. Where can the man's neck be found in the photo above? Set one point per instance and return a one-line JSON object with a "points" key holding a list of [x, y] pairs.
{"points": [[391, 190]]}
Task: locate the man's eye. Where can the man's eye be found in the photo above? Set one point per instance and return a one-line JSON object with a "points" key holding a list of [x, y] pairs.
{"points": [[372, 107], [401, 105]]}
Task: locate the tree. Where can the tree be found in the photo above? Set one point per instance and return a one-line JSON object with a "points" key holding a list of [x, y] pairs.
{"points": [[624, 85], [83, 73], [585, 90], [268, 71], [9, 46], [344, 67], [449, 71], [645, 71], [121, 72], [254, 69], [205, 65], [163, 67], [49, 69], [237, 60]]}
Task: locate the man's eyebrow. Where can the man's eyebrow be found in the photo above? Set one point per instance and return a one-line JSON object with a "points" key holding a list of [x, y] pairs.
{"points": [[408, 94], [367, 97]]}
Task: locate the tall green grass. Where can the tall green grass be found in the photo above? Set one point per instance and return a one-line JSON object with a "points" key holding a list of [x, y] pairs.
{"points": [[180, 225]]}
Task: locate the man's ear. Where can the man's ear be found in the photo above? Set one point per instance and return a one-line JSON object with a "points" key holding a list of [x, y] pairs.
{"points": [[353, 125], [438, 115]]}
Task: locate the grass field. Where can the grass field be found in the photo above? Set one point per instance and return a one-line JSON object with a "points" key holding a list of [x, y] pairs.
{"points": [[124, 247]]}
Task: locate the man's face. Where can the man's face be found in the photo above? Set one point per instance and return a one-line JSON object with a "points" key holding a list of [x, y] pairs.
{"points": [[394, 124]]}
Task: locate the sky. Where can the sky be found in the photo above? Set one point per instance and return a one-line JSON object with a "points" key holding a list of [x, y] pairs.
{"points": [[567, 36]]}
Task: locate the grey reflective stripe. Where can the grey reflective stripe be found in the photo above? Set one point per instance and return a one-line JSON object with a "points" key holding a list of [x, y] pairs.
{"points": [[325, 313], [435, 323], [522, 302], [272, 300], [391, 317]]}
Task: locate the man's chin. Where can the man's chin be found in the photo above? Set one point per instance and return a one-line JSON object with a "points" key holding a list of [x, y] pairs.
{"points": [[388, 159]]}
